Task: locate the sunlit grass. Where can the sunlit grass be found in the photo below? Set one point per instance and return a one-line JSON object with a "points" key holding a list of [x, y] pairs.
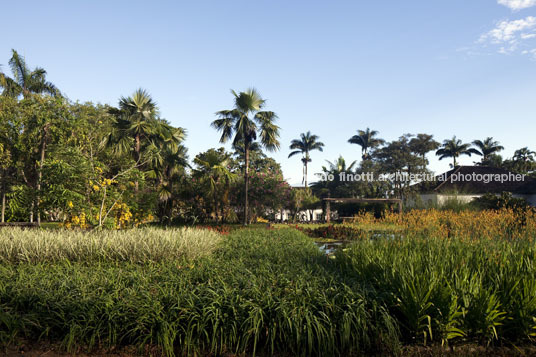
{"points": [[263, 291], [137, 245]]}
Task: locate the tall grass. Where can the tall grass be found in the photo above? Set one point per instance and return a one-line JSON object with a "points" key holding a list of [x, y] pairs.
{"points": [[262, 292], [139, 245], [446, 290]]}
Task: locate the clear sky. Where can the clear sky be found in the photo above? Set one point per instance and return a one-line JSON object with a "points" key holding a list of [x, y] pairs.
{"points": [[456, 67]]}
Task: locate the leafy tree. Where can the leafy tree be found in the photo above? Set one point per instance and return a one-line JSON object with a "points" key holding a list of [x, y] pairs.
{"points": [[45, 121], [248, 122], [303, 199], [421, 145], [304, 146], [367, 140], [398, 158], [454, 148]]}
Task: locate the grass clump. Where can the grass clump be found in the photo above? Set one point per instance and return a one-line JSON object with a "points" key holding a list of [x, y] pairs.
{"points": [[135, 246]]}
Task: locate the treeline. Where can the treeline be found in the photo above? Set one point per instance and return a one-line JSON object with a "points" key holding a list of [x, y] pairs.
{"points": [[407, 155], [86, 164]]}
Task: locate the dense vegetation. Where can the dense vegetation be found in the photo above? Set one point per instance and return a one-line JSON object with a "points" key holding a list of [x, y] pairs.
{"points": [[263, 291], [88, 165]]}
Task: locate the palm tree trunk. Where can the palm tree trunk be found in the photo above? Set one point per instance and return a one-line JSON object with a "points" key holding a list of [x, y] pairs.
{"points": [[246, 182], [138, 149], [454, 157], [305, 175]]}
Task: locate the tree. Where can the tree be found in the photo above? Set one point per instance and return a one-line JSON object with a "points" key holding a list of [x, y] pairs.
{"points": [[330, 183], [45, 121], [523, 161], [367, 140], [25, 81], [136, 126], [399, 158], [454, 148], [212, 171], [248, 122], [304, 145], [421, 145], [486, 147]]}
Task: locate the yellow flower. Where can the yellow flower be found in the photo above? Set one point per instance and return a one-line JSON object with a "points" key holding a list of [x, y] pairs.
{"points": [[70, 204], [96, 187]]}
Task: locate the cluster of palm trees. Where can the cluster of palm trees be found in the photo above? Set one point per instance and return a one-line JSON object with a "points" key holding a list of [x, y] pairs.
{"points": [[454, 148], [156, 146]]}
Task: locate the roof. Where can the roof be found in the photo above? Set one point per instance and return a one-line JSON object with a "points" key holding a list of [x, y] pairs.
{"points": [[480, 180]]}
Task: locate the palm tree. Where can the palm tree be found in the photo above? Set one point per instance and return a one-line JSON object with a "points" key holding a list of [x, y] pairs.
{"points": [[167, 157], [248, 122], [367, 140], [524, 155], [26, 81], [454, 148], [486, 148], [523, 161], [304, 145], [338, 166], [212, 169], [135, 120]]}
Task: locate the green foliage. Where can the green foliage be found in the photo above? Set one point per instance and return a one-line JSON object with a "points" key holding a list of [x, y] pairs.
{"points": [[505, 200], [262, 292], [444, 290]]}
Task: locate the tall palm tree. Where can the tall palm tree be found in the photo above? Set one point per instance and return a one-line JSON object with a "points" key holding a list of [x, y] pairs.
{"points": [[486, 148], [248, 122], [454, 148], [26, 81], [304, 145], [367, 140]]}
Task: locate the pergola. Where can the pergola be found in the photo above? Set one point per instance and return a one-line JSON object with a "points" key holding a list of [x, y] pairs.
{"points": [[359, 200]]}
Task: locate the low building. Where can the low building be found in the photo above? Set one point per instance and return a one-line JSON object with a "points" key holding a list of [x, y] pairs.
{"points": [[465, 183]]}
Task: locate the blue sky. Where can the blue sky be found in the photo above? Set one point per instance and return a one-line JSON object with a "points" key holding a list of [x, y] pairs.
{"points": [[446, 68]]}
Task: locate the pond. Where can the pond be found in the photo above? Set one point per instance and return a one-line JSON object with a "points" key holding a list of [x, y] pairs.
{"points": [[329, 247]]}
